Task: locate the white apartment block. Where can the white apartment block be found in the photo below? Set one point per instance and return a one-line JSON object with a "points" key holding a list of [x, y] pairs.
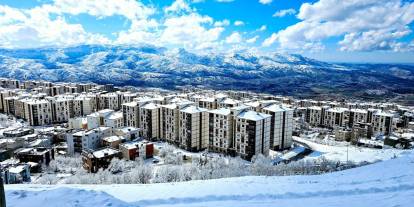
{"points": [[38, 112], [89, 139], [107, 118], [131, 114], [281, 126], [193, 128], [252, 134], [220, 130], [150, 121]]}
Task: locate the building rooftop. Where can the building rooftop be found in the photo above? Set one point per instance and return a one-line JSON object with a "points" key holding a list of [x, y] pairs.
{"points": [[193, 109], [277, 108], [252, 115], [104, 152], [222, 111]]}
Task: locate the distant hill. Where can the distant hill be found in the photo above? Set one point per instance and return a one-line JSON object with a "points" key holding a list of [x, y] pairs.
{"points": [[151, 66]]}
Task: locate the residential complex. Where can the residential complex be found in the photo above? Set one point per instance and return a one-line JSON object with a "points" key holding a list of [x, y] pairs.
{"points": [[102, 122]]}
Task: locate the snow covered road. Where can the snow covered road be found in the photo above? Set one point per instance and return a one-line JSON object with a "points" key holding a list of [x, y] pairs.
{"points": [[388, 183]]}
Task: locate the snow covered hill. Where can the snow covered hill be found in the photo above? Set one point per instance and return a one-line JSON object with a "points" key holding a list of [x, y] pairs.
{"points": [[387, 183], [152, 66]]}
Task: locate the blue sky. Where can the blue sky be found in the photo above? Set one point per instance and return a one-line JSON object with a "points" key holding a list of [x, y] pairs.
{"points": [[330, 30]]}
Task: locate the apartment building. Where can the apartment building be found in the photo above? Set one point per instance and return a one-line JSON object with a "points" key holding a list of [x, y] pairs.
{"points": [[281, 126], [193, 128], [382, 122], [128, 97], [62, 108], [130, 112], [109, 101], [38, 112], [315, 115], [252, 134], [105, 117], [208, 103], [87, 139], [227, 103], [84, 105], [150, 121], [170, 121], [334, 117], [355, 116], [9, 83], [220, 133]]}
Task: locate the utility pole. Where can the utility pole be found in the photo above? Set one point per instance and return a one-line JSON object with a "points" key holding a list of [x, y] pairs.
{"points": [[347, 146], [2, 194]]}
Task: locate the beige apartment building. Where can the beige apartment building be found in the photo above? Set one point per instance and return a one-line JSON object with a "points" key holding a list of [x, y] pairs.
{"points": [[84, 105], [220, 133], [38, 112], [109, 101], [334, 117], [193, 128], [170, 121], [62, 108], [252, 134], [131, 114], [150, 121], [281, 126]]}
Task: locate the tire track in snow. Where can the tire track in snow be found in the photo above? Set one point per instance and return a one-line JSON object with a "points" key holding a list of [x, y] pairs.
{"points": [[288, 195]]}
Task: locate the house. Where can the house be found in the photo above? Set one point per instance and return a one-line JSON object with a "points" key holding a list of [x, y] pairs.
{"points": [[134, 149], [93, 160], [38, 155], [112, 141], [86, 139], [15, 174]]}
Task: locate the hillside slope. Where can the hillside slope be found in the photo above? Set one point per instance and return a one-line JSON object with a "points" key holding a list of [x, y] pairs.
{"points": [[388, 183]]}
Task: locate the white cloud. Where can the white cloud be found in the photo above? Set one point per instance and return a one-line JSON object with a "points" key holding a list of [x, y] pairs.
{"points": [[45, 26], [364, 24], [177, 6], [282, 13], [265, 1], [262, 28], [238, 23], [131, 9], [222, 23], [253, 39], [224, 1], [35, 28], [235, 37], [189, 31]]}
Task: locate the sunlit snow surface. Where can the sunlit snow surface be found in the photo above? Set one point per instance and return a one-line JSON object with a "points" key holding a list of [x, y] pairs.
{"points": [[387, 183]]}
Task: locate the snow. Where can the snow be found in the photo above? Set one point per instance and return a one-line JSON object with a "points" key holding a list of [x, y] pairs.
{"points": [[252, 115], [221, 111], [356, 154], [193, 109], [387, 183], [105, 152]]}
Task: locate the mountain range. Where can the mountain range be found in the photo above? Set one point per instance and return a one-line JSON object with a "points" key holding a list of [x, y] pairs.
{"points": [[151, 66]]}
